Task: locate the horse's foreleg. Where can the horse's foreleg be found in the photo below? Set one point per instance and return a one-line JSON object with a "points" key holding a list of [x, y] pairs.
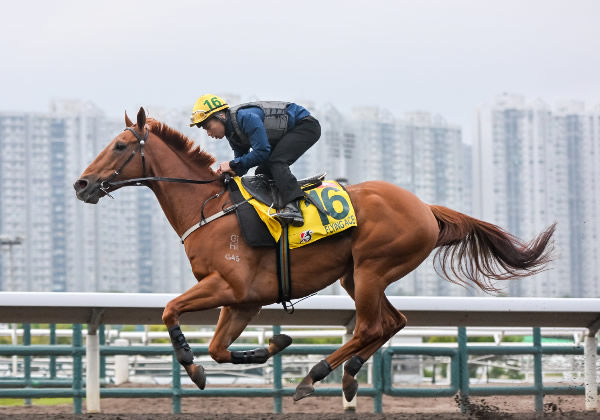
{"points": [[211, 292], [232, 322]]}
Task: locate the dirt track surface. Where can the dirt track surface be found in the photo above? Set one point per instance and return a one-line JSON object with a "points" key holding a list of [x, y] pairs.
{"points": [[298, 416], [313, 408]]}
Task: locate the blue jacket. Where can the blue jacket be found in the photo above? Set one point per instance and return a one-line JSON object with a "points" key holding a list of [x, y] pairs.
{"points": [[250, 121]]}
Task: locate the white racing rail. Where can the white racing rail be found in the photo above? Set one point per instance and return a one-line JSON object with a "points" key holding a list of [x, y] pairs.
{"points": [[318, 311]]}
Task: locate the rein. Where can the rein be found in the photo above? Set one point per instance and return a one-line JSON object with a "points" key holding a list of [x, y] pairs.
{"points": [[108, 182], [285, 281]]}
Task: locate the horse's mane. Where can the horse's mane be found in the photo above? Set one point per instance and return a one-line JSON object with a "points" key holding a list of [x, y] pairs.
{"points": [[180, 142]]}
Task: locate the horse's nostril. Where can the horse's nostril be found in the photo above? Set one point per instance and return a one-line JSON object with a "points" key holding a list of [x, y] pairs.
{"points": [[81, 184]]}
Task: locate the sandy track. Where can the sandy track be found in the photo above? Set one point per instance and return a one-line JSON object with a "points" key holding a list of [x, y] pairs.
{"points": [[313, 408]]}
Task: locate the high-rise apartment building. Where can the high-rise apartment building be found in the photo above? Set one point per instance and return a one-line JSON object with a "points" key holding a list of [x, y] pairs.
{"points": [[431, 156], [376, 136], [533, 166], [126, 244], [423, 154], [334, 152], [24, 174], [69, 245]]}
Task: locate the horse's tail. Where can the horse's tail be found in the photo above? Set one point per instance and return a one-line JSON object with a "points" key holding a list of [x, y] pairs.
{"points": [[471, 250]]}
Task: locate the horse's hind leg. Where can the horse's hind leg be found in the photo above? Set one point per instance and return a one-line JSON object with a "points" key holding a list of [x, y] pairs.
{"points": [[232, 321], [376, 321], [393, 321], [368, 292]]}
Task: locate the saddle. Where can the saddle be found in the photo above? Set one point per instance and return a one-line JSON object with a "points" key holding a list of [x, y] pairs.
{"points": [[254, 198], [264, 189]]}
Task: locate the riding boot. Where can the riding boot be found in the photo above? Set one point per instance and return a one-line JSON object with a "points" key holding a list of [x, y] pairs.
{"points": [[291, 214]]}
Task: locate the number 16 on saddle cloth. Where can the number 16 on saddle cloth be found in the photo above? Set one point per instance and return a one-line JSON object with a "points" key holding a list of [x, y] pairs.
{"points": [[317, 225]]}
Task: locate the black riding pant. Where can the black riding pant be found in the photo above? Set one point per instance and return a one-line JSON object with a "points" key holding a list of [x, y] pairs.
{"points": [[286, 151]]}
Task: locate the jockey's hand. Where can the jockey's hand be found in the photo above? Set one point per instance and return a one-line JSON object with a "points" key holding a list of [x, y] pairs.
{"points": [[224, 167]]}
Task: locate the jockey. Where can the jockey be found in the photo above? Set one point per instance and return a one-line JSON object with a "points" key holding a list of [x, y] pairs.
{"points": [[268, 135]]}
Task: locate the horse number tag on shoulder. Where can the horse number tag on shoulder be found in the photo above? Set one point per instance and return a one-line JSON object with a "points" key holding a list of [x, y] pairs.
{"points": [[234, 246]]}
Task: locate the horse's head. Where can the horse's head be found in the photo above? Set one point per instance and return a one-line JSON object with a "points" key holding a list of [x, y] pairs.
{"points": [[122, 159]]}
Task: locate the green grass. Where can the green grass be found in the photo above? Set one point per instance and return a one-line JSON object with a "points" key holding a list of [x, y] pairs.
{"points": [[12, 402]]}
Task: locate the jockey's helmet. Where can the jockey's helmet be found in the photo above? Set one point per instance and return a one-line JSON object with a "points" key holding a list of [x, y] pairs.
{"points": [[205, 107]]}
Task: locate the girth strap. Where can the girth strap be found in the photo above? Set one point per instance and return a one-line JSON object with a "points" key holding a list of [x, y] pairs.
{"points": [[283, 270]]}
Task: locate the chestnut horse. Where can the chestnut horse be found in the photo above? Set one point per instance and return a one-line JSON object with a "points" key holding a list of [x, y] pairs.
{"points": [[396, 232]]}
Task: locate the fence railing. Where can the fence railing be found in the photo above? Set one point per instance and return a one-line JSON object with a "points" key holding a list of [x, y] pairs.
{"points": [[382, 375], [95, 309]]}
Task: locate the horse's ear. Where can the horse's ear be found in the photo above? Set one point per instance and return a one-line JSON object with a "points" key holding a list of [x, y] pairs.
{"points": [[128, 122], [141, 118]]}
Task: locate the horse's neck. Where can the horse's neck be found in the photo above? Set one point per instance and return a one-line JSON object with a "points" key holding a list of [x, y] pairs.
{"points": [[182, 202]]}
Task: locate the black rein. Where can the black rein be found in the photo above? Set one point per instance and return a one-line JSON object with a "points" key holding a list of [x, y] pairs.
{"points": [[107, 183]]}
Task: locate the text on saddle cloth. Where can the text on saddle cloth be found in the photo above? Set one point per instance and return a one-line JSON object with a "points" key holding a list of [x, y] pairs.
{"points": [[317, 225]]}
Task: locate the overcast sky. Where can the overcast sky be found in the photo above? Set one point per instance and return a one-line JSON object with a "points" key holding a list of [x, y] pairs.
{"points": [[446, 57]]}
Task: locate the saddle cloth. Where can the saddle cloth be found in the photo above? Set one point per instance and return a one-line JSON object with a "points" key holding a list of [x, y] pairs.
{"points": [[330, 196]]}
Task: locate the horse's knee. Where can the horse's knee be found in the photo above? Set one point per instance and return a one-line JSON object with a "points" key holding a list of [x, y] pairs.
{"points": [[170, 313]]}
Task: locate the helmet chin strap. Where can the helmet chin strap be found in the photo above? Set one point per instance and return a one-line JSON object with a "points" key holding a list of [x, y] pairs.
{"points": [[221, 117]]}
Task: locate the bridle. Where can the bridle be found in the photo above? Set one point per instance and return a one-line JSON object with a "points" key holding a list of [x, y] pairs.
{"points": [[108, 182]]}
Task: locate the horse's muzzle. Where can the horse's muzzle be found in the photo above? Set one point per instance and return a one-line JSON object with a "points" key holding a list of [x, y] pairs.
{"points": [[87, 189]]}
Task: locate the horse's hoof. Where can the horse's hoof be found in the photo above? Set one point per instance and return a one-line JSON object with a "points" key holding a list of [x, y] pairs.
{"points": [[197, 375], [304, 389], [349, 387], [279, 342]]}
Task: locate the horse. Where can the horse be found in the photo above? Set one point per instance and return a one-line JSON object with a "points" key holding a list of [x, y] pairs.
{"points": [[396, 232]]}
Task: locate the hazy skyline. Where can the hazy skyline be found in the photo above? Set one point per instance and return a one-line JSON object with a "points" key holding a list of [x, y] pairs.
{"points": [[439, 56]]}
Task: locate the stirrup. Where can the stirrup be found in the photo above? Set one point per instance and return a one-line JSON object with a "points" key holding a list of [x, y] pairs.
{"points": [[290, 214]]}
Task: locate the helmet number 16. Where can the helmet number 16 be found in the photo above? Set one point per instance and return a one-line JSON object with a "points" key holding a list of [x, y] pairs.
{"points": [[215, 103]]}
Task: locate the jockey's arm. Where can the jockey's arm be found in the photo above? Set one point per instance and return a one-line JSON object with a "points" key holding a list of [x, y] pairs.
{"points": [[251, 124]]}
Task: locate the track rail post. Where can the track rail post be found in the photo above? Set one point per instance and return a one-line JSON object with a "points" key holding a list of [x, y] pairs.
{"points": [[176, 386], [277, 380], [463, 369], [27, 360], [92, 357], [590, 356], [537, 370], [77, 368], [102, 336], [52, 366], [377, 367]]}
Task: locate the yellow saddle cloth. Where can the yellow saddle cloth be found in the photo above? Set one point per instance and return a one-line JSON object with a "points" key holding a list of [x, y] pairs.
{"points": [[316, 224]]}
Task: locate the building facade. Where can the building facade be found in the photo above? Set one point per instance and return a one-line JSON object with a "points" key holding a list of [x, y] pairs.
{"points": [[424, 154], [533, 166], [69, 245]]}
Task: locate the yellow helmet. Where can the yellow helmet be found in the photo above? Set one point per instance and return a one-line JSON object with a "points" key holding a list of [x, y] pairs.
{"points": [[206, 106]]}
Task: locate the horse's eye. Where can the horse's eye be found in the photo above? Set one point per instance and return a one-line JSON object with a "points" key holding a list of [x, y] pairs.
{"points": [[120, 146]]}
